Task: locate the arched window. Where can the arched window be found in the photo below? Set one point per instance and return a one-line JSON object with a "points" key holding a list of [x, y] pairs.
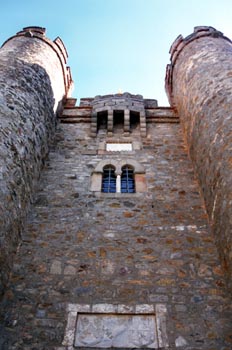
{"points": [[118, 176], [109, 179], [127, 179]]}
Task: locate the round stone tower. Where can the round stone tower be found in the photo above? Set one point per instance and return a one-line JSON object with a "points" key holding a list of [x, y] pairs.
{"points": [[199, 87], [34, 80]]}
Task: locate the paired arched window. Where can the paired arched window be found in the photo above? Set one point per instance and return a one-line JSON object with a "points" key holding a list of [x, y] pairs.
{"points": [[120, 183], [118, 176]]}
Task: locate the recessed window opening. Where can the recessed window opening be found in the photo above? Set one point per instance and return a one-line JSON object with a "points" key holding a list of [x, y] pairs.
{"points": [[118, 176], [118, 119], [109, 179], [134, 120], [102, 120], [127, 180]]}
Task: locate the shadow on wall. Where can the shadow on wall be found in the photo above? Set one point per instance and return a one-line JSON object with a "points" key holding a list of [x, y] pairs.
{"points": [[27, 123]]}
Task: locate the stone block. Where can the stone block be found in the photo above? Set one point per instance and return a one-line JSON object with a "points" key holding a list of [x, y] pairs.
{"points": [[140, 182], [118, 331], [56, 267], [96, 182]]}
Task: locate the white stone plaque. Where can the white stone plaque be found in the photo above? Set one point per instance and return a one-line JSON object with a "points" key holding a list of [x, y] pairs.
{"points": [[116, 331], [117, 326], [118, 147]]}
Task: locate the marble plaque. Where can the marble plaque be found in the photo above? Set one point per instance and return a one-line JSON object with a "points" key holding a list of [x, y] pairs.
{"points": [[118, 147], [116, 331]]}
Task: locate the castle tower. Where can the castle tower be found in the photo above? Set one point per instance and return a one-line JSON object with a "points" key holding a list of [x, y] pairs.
{"points": [[116, 251], [198, 84], [34, 80]]}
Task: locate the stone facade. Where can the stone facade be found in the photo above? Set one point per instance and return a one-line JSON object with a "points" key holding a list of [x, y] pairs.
{"points": [[148, 253], [33, 82], [199, 82]]}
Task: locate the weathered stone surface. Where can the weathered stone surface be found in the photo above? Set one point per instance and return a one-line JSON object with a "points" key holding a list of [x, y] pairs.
{"points": [[83, 252], [199, 84], [32, 86], [156, 248], [116, 325], [118, 331]]}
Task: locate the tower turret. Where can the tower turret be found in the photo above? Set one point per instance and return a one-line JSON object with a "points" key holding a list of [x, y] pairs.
{"points": [[199, 85], [34, 80]]}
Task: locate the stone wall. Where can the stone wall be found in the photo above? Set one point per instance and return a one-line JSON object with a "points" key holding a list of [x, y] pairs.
{"points": [[149, 248], [199, 83], [33, 82]]}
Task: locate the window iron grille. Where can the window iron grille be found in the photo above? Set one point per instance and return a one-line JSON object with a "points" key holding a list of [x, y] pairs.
{"points": [[109, 180], [127, 180]]}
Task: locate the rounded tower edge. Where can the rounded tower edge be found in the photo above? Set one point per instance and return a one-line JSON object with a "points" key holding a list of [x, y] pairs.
{"points": [[198, 84], [57, 45]]}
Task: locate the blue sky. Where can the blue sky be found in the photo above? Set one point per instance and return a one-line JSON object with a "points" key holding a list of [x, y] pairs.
{"points": [[116, 44]]}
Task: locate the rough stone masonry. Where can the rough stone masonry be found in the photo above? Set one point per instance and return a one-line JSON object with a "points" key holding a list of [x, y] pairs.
{"points": [[151, 252], [199, 84], [33, 82]]}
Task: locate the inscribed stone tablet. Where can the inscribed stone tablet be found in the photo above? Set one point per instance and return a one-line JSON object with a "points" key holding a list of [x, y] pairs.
{"points": [[117, 331]]}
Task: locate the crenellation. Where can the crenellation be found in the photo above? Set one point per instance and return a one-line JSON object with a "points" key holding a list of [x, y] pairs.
{"points": [[205, 110], [107, 238]]}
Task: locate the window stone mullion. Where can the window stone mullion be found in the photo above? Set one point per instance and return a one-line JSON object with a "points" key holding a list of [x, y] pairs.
{"points": [[118, 183]]}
